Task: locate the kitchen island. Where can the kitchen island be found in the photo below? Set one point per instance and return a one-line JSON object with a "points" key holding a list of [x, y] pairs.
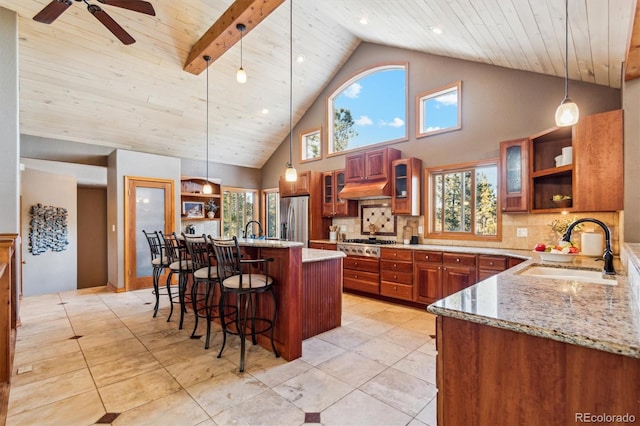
{"points": [[517, 349], [308, 288]]}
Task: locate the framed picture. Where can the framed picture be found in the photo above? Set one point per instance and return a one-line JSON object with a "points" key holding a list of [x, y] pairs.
{"points": [[193, 209], [311, 145], [439, 110]]}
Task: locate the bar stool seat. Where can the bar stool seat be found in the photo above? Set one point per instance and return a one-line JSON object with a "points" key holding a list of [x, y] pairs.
{"points": [[159, 262], [245, 279], [179, 264]]}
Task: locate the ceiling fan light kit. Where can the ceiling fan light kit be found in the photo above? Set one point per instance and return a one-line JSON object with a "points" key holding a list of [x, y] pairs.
{"points": [[567, 113], [53, 10]]}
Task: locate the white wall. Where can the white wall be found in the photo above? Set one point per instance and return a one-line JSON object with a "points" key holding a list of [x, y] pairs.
{"points": [[133, 164], [49, 272], [9, 124]]}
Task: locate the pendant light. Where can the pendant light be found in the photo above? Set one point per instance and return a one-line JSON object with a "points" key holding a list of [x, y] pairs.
{"points": [[290, 174], [207, 189], [241, 75], [567, 113]]}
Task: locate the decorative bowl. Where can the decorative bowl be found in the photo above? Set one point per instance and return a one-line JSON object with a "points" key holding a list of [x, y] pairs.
{"points": [[547, 256], [563, 203]]}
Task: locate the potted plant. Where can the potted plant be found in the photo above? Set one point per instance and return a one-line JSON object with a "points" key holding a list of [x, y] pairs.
{"points": [[211, 208]]}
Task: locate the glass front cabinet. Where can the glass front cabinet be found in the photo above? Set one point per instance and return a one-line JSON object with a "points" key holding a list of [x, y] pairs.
{"points": [[514, 175]]}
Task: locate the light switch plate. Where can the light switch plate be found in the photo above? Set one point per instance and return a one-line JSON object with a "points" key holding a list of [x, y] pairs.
{"points": [[420, 229], [521, 232]]}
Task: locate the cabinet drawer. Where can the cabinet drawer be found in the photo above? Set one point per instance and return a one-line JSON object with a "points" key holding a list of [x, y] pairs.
{"points": [[494, 263], [398, 291], [459, 259], [395, 254], [427, 256], [359, 275], [390, 265], [397, 277], [362, 264]]}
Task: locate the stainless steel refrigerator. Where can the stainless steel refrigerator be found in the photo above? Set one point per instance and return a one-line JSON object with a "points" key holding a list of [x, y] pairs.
{"points": [[294, 219]]}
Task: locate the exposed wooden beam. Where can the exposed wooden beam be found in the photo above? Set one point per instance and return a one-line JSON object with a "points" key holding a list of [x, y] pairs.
{"points": [[223, 33], [632, 67]]}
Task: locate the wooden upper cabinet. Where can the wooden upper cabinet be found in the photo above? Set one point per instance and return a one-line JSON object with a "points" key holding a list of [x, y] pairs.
{"points": [[370, 165], [514, 175], [292, 189], [598, 163], [594, 177], [405, 186], [332, 204]]}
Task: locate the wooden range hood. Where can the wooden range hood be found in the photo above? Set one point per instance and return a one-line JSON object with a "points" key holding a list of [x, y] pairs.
{"points": [[366, 190]]}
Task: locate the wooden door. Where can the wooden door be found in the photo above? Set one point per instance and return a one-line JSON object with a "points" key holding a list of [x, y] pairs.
{"points": [[149, 205]]}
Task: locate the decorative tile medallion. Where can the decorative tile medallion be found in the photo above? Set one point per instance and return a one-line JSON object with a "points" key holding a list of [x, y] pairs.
{"points": [[377, 220]]}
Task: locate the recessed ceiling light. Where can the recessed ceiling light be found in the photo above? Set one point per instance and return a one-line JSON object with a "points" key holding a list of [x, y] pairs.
{"points": [[364, 21], [436, 30], [265, 111], [300, 58]]}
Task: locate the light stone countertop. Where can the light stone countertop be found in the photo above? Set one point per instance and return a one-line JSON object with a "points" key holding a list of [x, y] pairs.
{"points": [[317, 255], [256, 242], [597, 316]]}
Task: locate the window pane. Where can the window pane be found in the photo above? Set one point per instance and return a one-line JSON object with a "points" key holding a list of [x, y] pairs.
{"points": [[238, 210], [272, 205], [369, 109], [439, 110], [486, 200], [438, 203]]}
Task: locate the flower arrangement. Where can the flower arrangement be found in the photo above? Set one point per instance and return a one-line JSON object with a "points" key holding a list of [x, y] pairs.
{"points": [[211, 208]]}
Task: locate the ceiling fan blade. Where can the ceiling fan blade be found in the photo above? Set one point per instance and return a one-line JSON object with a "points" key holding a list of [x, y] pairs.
{"points": [[111, 25], [51, 11], [135, 5]]}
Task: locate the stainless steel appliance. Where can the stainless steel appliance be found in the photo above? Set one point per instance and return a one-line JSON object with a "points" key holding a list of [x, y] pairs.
{"points": [[294, 219], [369, 247]]}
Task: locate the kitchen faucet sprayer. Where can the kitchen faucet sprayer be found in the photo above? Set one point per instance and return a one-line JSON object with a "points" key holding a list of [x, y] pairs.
{"points": [[246, 229], [608, 253]]}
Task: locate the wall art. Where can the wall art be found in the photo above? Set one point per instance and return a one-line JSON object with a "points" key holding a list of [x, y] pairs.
{"points": [[48, 229]]}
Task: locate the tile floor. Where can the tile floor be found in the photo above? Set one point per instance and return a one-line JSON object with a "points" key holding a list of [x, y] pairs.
{"points": [[128, 368]]}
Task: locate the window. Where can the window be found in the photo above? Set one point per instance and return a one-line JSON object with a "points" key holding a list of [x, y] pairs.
{"points": [[271, 213], [368, 109], [439, 110], [463, 201], [310, 146], [239, 207]]}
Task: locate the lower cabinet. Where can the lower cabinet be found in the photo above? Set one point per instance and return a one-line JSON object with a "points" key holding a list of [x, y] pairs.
{"points": [[491, 265], [458, 272], [322, 246], [396, 273], [427, 275], [361, 274]]}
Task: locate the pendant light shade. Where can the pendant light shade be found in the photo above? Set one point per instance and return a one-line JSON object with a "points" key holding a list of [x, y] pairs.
{"points": [[290, 174], [567, 113], [207, 189], [241, 75]]}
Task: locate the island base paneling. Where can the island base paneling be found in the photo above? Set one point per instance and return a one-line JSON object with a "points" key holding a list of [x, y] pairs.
{"points": [[487, 375], [321, 296]]}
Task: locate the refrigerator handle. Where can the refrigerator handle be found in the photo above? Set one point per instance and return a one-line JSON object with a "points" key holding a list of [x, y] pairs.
{"points": [[291, 221]]}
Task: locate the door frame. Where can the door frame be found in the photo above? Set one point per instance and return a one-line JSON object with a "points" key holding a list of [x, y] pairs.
{"points": [[130, 185]]}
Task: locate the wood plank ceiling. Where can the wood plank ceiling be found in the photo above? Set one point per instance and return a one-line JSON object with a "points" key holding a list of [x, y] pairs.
{"points": [[78, 83]]}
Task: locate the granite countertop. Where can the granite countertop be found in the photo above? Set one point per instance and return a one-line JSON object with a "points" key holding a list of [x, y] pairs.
{"points": [[317, 255], [257, 242], [597, 316]]}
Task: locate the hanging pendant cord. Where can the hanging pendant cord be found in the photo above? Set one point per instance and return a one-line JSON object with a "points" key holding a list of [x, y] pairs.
{"points": [[241, 33], [207, 58], [566, 49], [291, 84]]}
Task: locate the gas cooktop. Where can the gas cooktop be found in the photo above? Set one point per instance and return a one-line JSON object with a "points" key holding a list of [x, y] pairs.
{"points": [[369, 241]]}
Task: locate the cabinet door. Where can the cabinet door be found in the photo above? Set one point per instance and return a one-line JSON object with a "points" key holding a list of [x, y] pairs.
{"points": [[342, 207], [354, 168], [376, 164], [427, 279], [514, 175], [598, 163], [405, 186], [456, 278], [328, 194]]}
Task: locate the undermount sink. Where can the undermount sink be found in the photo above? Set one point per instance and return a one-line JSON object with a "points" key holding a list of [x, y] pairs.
{"points": [[582, 275]]}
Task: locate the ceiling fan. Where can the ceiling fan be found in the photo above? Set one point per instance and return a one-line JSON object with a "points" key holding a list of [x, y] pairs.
{"points": [[54, 9]]}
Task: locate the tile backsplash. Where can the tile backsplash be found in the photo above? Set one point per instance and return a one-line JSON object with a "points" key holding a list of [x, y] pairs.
{"points": [[538, 229]]}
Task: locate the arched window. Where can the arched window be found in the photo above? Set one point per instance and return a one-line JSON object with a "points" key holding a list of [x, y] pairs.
{"points": [[368, 109]]}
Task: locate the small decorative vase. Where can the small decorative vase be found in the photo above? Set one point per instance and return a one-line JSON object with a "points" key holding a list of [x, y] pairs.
{"points": [[211, 215]]}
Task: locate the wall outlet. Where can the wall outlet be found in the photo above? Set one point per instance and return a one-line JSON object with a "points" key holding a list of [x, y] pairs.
{"points": [[343, 228], [420, 229], [521, 232]]}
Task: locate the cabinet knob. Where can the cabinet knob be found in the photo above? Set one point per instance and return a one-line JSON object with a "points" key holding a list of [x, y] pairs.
{"points": [[355, 263], [395, 254], [395, 265], [444, 269], [395, 277], [490, 263], [395, 287], [427, 257], [356, 276], [458, 259]]}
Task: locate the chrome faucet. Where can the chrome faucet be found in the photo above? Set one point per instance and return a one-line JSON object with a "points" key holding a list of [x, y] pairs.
{"points": [[608, 253], [246, 229]]}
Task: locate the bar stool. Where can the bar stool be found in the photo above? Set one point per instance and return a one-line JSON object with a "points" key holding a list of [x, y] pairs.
{"points": [[246, 279], [179, 264], [204, 281], [159, 262]]}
